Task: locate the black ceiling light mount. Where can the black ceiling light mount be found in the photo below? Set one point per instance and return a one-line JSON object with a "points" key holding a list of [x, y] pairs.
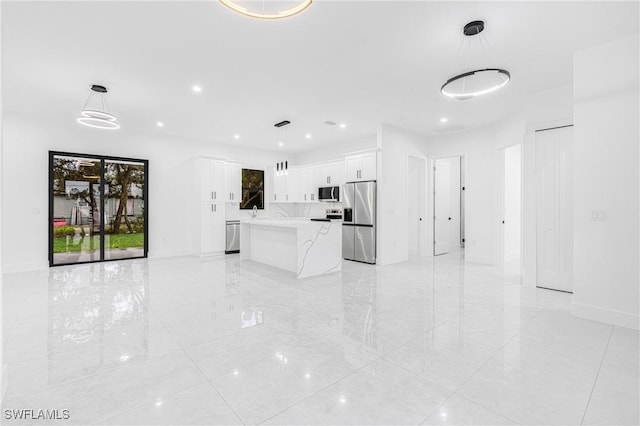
{"points": [[480, 81], [473, 28], [95, 110]]}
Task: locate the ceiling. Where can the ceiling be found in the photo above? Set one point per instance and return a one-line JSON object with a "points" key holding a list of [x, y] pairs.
{"points": [[360, 63]]}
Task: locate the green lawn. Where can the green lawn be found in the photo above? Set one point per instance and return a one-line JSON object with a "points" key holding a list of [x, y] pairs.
{"points": [[113, 241]]}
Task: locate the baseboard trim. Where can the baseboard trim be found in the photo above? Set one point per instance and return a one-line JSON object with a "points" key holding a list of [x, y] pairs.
{"points": [[382, 261], [165, 254], [12, 268], [609, 316]]}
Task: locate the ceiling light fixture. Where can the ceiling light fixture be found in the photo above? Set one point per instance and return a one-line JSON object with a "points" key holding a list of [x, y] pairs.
{"points": [[97, 116], [263, 15], [480, 81], [308, 136], [342, 126], [160, 124], [444, 119], [282, 167], [196, 89], [236, 136]]}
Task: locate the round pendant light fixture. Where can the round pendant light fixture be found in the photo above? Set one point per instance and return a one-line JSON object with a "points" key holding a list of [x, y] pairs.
{"points": [[94, 114], [233, 5], [479, 81]]}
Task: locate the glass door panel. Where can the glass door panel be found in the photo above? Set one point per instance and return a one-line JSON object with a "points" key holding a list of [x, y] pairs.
{"points": [[75, 206], [124, 189]]}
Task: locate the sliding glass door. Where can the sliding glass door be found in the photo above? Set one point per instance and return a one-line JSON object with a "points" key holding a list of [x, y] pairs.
{"points": [[97, 208]]}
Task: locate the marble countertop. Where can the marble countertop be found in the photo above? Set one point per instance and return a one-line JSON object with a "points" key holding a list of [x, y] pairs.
{"points": [[294, 222]]}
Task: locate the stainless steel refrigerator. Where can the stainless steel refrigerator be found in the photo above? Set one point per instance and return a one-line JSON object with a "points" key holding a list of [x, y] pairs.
{"points": [[359, 222]]}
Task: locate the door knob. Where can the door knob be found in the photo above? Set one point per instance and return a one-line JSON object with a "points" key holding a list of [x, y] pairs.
{"points": [[420, 219], [449, 218]]}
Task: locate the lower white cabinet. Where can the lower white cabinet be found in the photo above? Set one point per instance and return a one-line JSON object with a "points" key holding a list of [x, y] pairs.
{"points": [[212, 231]]}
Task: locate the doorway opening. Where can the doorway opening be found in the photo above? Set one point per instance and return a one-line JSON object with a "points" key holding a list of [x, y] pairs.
{"points": [[416, 203], [512, 209], [448, 205]]}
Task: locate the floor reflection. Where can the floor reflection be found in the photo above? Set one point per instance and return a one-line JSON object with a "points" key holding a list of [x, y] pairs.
{"points": [[98, 316]]}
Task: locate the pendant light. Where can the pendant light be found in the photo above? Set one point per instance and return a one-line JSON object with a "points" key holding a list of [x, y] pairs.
{"points": [[282, 167], [233, 5], [478, 81], [94, 112]]}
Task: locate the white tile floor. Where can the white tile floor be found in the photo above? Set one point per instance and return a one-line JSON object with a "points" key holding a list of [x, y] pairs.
{"points": [[220, 341]]}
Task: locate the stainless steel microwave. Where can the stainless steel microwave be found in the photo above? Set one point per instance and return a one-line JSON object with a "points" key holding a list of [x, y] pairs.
{"points": [[329, 193]]}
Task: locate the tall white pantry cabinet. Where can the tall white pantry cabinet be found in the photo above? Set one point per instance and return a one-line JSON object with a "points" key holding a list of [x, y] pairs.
{"points": [[219, 182]]}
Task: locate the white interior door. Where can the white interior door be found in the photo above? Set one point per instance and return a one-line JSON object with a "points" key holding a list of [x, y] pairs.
{"points": [[554, 211], [454, 203], [441, 206], [413, 196]]}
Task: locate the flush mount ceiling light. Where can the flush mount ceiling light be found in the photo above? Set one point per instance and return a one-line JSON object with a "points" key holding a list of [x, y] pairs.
{"points": [[233, 5], [97, 116], [480, 81]]}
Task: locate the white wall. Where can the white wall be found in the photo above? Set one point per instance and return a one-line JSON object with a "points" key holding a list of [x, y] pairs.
{"points": [[606, 276], [392, 235], [3, 367], [335, 151], [25, 160], [480, 149], [512, 202]]}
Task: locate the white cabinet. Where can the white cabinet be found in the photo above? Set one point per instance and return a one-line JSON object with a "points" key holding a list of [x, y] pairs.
{"points": [[293, 185], [360, 167], [212, 233], [233, 177], [220, 181], [332, 174], [308, 178], [211, 177], [279, 187]]}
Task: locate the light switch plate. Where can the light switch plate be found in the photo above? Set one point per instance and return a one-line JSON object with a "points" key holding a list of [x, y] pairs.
{"points": [[598, 215]]}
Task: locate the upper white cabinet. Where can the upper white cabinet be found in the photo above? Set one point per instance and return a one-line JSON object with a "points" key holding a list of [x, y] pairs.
{"points": [[219, 184], [279, 187], [233, 172], [332, 174], [360, 167], [220, 181], [294, 187]]}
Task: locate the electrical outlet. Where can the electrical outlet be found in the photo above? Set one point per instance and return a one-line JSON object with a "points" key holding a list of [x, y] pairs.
{"points": [[598, 215]]}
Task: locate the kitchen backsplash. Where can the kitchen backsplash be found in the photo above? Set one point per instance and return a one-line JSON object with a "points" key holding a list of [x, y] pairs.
{"points": [[302, 209], [283, 210]]}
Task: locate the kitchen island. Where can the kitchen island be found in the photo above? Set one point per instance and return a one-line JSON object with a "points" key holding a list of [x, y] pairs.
{"points": [[302, 246]]}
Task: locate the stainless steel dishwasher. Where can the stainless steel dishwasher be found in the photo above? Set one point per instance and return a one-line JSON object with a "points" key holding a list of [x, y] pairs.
{"points": [[233, 237]]}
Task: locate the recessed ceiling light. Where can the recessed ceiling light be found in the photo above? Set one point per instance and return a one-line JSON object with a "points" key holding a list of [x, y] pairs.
{"points": [[197, 89], [308, 136], [236, 136], [160, 124], [280, 143], [444, 119], [342, 126]]}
